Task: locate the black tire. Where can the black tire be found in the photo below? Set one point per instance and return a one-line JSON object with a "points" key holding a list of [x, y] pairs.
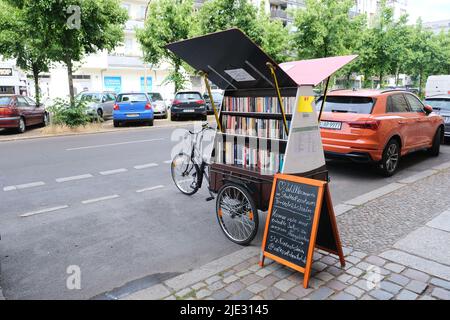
{"points": [[165, 116], [150, 123], [100, 113], [436, 147], [46, 120], [22, 125], [116, 123], [230, 195], [391, 158], [173, 117], [190, 171], [204, 118]]}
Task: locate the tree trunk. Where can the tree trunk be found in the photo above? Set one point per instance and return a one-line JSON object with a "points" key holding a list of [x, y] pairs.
{"points": [[348, 80], [397, 78], [37, 90], [70, 77], [177, 70], [381, 79], [420, 83]]}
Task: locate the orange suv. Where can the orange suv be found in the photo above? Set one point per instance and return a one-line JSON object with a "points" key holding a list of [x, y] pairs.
{"points": [[378, 127]]}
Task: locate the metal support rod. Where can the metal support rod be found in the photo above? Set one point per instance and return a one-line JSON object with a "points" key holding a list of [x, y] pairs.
{"points": [[280, 101], [205, 77], [324, 98]]}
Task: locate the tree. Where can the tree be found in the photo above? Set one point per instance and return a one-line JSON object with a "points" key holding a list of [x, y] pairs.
{"points": [[76, 28], [167, 21], [23, 42]]}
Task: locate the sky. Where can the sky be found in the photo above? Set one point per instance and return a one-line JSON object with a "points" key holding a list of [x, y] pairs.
{"points": [[429, 10]]}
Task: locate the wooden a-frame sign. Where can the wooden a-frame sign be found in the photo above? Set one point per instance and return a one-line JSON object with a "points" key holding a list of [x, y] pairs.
{"points": [[300, 219]]}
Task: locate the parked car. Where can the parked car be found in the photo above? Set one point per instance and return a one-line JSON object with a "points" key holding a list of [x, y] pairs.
{"points": [[159, 105], [19, 112], [133, 107], [437, 85], [188, 104], [218, 99], [98, 103], [378, 127], [441, 105]]}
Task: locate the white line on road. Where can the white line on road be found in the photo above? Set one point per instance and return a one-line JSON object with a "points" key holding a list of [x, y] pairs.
{"points": [[29, 214], [80, 177], [113, 144], [168, 161], [150, 189], [100, 199], [145, 166], [24, 186], [109, 172]]}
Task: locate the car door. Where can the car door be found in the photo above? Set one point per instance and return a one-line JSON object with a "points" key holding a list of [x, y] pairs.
{"points": [[108, 104], [37, 112], [406, 120], [424, 124], [26, 110]]}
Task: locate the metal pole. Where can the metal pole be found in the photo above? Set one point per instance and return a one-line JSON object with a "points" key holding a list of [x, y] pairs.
{"points": [[280, 101], [324, 98]]}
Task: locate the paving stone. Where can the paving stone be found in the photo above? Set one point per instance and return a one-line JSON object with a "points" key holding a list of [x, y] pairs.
{"points": [[347, 278], [381, 294], [375, 260], [257, 298], [216, 286], [417, 286], [319, 266], [335, 271], [249, 279], [235, 287], [343, 296], [352, 259], [416, 275], [274, 267], [321, 294], [242, 295], [283, 273], [347, 250], [366, 297], [230, 279], [203, 294], [242, 266], [263, 273], [324, 276], [300, 292], [441, 293], [270, 293], [228, 273], [243, 273], [440, 283], [268, 281], [359, 254], [390, 287], [406, 295], [397, 268], [317, 255], [287, 296], [183, 292], [426, 297], [336, 285], [355, 291], [355, 272], [315, 283], [399, 279], [256, 288], [284, 285], [363, 266], [213, 279], [255, 268], [296, 277], [220, 295], [329, 260], [364, 285], [155, 292], [172, 297]]}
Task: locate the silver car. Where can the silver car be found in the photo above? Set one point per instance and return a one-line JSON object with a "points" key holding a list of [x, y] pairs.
{"points": [[98, 103], [158, 104]]}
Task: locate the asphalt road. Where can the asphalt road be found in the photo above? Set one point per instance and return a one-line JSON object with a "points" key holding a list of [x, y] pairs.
{"points": [[116, 213]]}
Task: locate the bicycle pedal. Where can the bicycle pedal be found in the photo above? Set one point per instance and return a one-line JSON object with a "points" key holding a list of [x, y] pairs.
{"points": [[209, 198]]}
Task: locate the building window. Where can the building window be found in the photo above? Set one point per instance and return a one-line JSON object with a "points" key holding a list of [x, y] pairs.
{"points": [[81, 77]]}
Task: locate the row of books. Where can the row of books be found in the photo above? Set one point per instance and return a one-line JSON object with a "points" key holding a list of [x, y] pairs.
{"points": [[264, 161], [258, 104], [263, 128]]}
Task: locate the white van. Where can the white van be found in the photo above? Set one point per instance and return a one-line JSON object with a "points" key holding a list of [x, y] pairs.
{"points": [[437, 85]]}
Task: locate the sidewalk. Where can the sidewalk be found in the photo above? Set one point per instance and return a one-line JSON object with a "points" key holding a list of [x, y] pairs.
{"points": [[396, 242]]}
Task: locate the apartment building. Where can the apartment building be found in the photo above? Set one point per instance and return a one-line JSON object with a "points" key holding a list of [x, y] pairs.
{"points": [[438, 26]]}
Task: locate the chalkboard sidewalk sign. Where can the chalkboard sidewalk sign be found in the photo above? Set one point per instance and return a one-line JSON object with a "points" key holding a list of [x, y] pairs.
{"points": [[300, 219]]}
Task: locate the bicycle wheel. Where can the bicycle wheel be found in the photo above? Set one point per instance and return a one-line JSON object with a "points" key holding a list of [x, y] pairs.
{"points": [[237, 214], [185, 174]]}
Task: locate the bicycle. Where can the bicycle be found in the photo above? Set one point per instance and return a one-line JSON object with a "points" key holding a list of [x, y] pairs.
{"points": [[188, 171]]}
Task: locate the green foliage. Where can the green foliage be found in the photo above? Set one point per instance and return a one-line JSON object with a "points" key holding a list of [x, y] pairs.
{"points": [[63, 113]]}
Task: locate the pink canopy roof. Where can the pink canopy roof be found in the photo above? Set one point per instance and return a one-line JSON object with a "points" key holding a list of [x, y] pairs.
{"points": [[314, 71]]}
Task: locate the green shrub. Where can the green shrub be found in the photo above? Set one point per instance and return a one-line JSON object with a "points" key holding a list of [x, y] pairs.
{"points": [[64, 114]]}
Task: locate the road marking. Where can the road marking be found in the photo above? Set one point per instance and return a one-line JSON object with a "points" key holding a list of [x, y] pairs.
{"points": [[145, 166], [24, 186], [80, 177], [150, 189], [168, 161], [100, 199], [109, 172], [113, 144], [29, 214]]}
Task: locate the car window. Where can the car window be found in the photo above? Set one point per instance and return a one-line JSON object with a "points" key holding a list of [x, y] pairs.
{"points": [[21, 102], [437, 103], [132, 97], [4, 101], [155, 96], [345, 104], [30, 101], [91, 97], [414, 103], [188, 96], [111, 97], [397, 104]]}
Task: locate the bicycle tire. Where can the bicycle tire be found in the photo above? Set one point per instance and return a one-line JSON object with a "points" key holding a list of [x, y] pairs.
{"points": [[190, 166]]}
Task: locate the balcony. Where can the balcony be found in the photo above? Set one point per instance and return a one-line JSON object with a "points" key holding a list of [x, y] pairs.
{"points": [[131, 25], [125, 61]]}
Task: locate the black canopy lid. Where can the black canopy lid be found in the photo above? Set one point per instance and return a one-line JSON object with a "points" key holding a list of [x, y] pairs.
{"points": [[231, 60]]}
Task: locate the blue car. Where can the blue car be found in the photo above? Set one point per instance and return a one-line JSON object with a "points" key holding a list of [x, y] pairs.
{"points": [[133, 107]]}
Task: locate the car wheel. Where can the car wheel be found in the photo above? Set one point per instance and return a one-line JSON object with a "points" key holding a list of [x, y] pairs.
{"points": [[150, 123], [100, 113], [173, 117], [391, 157], [116, 123], [436, 147], [46, 120], [165, 116], [204, 118], [22, 126]]}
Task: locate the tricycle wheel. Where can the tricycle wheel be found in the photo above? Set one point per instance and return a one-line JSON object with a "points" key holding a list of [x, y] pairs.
{"points": [[237, 213]]}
